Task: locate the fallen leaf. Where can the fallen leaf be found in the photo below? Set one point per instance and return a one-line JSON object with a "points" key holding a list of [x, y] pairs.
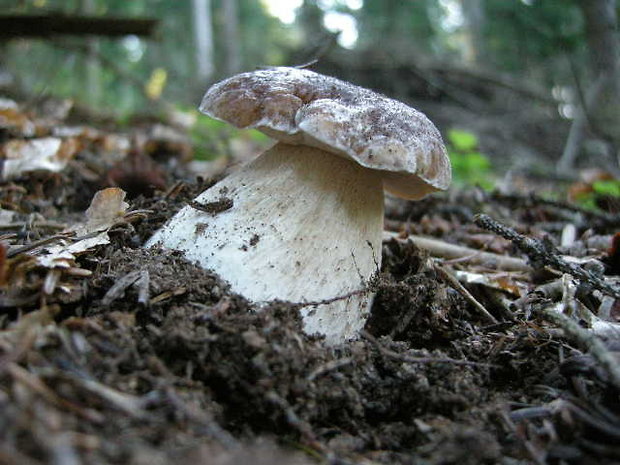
{"points": [[44, 154]]}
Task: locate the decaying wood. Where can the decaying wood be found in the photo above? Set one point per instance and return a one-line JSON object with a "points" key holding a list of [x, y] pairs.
{"points": [[50, 25]]}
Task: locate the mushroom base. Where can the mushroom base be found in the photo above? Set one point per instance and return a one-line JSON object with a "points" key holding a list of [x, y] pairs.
{"points": [[305, 227]]}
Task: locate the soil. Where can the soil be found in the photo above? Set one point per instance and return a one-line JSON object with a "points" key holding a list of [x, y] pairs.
{"points": [[193, 373]]}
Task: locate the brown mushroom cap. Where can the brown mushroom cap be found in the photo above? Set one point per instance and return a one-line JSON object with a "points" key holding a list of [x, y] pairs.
{"points": [[298, 106]]}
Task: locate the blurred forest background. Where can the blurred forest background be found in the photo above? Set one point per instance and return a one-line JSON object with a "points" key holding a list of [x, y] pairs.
{"points": [[515, 85]]}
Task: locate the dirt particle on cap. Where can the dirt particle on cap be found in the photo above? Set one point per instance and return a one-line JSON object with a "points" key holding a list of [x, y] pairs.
{"points": [[200, 228], [254, 240]]}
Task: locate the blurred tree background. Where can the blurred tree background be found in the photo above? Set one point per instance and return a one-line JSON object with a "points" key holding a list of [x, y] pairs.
{"points": [[534, 80]]}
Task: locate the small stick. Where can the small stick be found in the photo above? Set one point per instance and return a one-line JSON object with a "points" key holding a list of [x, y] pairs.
{"points": [[120, 286], [541, 254], [35, 384], [302, 426], [316, 303], [40, 243], [41, 225], [588, 342], [457, 286], [329, 366], [202, 419], [143, 288], [443, 249], [537, 457], [408, 359], [167, 294]]}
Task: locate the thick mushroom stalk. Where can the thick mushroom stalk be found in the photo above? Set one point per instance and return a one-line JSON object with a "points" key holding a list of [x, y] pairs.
{"points": [[303, 226]]}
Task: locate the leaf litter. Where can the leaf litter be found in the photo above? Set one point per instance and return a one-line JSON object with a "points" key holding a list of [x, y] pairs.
{"points": [[475, 352]]}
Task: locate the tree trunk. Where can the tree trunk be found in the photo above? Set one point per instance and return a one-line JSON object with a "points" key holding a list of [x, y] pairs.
{"points": [[93, 83], [203, 36], [474, 14], [232, 40], [602, 29], [602, 105], [604, 47]]}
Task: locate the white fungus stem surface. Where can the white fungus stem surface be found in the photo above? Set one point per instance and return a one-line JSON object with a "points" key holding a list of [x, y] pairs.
{"points": [[304, 226]]}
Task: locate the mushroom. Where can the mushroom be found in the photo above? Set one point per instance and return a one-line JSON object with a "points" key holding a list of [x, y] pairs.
{"points": [[303, 221]]}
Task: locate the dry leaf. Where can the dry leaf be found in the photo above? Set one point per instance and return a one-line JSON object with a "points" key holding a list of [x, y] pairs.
{"points": [[44, 154], [106, 209]]}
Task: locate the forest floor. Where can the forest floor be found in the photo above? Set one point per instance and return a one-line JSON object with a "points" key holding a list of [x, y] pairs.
{"points": [[502, 350]]}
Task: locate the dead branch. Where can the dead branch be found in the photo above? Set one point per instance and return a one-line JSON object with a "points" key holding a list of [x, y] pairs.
{"points": [[542, 254], [55, 24]]}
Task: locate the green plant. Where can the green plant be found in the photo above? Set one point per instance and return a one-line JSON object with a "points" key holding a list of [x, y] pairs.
{"points": [[212, 138], [469, 166], [591, 198], [608, 187]]}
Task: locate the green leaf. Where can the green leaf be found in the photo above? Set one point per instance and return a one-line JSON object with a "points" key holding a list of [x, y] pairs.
{"points": [[258, 136], [462, 141], [611, 188]]}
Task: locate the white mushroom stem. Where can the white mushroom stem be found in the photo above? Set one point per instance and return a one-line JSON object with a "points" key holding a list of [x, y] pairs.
{"points": [[305, 226]]}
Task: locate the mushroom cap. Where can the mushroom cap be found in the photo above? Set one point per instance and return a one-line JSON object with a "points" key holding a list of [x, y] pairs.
{"points": [[298, 106]]}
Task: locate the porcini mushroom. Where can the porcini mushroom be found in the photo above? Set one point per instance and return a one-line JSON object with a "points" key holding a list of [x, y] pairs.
{"points": [[303, 221]]}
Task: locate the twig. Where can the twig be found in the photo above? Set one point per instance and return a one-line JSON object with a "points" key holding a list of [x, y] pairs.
{"points": [[457, 286], [119, 287], [367, 288], [589, 416], [42, 225], [449, 251], [167, 295], [206, 424], [40, 243], [425, 360], [24, 343], [302, 426], [35, 384], [143, 284], [126, 403], [587, 340], [530, 413], [529, 447], [541, 254], [329, 366]]}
